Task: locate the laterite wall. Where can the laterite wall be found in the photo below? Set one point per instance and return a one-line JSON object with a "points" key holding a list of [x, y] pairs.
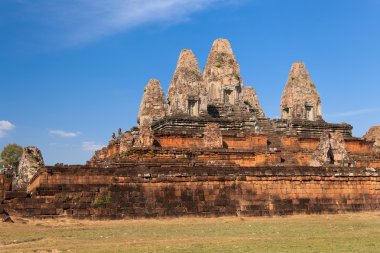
{"points": [[205, 191], [2, 185], [5, 185]]}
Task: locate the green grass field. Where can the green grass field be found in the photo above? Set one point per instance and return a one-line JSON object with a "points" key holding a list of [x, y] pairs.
{"points": [[358, 232]]}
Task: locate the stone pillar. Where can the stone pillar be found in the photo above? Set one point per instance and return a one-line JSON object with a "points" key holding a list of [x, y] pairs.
{"points": [[213, 136], [126, 142], [145, 138]]}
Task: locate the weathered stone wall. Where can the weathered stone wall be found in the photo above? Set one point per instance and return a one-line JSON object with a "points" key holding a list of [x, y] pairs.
{"points": [[180, 142], [249, 142], [5, 185], [209, 191], [296, 143], [2, 186], [212, 136], [358, 146], [244, 149], [113, 149], [252, 142]]}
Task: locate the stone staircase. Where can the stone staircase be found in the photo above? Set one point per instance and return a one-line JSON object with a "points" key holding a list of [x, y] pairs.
{"points": [[265, 126], [20, 203]]}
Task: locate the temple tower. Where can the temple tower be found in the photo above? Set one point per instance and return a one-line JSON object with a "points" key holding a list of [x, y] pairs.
{"points": [[187, 93], [300, 99], [152, 105], [222, 74], [250, 98], [373, 135]]}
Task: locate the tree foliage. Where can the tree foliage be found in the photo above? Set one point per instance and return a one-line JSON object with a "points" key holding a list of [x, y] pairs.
{"points": [[10, 156]]}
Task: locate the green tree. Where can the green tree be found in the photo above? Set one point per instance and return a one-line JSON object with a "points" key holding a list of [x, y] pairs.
{"points": [[10, 156]]}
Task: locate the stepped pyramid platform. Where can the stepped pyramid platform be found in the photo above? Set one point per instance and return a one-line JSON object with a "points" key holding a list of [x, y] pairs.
{"points": [[206, 148]]}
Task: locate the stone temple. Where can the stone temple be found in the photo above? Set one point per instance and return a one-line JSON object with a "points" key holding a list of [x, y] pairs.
{"points": [[213, 113], [207, 148]]}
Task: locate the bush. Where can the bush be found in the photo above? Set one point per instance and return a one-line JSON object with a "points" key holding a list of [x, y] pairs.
{"points": [[11, 156], [134, 128], [106, 200]]}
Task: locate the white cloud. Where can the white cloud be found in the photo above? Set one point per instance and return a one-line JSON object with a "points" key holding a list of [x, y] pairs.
{"points": [[353, 113], [64, 134], [81, 21], [5, 127], [91, 146]]}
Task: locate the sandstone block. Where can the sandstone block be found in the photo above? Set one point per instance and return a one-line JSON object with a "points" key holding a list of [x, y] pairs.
{"points": [[213, 136]]}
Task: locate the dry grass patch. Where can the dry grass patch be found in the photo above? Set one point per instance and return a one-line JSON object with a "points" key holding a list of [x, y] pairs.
{"points": [[358, 232]]}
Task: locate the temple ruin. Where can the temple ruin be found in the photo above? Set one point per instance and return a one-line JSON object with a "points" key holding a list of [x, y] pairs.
{"points": [[207, 148], [300, 99], [187, 93]]}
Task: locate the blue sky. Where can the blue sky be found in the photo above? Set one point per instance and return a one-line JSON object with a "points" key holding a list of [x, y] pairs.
{"points": [[73, 71]]}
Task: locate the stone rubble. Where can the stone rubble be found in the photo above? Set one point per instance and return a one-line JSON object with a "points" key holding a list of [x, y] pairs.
{"points": [[331, 151], [31, 161]]}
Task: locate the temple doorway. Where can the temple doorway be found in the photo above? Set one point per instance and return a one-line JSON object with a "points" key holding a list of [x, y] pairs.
{"points": [[193, 108], [228, 99]]}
